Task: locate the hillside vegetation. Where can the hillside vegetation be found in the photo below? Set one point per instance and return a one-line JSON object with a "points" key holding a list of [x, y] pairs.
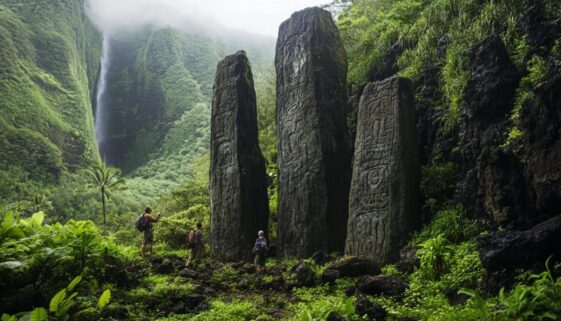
{"points": [[482, 172], [48, 65]]}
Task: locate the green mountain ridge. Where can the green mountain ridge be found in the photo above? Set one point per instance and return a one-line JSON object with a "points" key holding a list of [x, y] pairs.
{"points": [[48, 64], [159, 92]]}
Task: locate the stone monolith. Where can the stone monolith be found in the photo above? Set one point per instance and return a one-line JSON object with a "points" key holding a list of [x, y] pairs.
{"points": [[384, 196], [313, 149], [238, 182]]}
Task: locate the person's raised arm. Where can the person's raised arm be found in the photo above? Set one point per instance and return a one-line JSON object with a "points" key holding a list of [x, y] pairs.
{"points": [[151, 218]]}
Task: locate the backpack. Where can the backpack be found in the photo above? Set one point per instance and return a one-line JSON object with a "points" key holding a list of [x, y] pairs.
{"points": [[140, 223], [191, 239], [260, 248]]}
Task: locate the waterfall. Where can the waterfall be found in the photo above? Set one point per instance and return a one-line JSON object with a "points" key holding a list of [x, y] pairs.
{"points": [[100, 101]]}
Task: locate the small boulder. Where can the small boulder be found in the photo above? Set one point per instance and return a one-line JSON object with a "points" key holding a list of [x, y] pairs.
{"points": [[166, 267], [187, 273], [208, 291], [177, 308], [353, 266], [320, 258], [178, 264], [304, 275], [193, 301], [382, 284], [408, 260], [372, 311], [330, 275]]}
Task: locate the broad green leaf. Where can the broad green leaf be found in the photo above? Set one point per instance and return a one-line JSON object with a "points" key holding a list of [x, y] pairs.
{"points": [[6, 317], [56, 300], [65, 305], [11, 264], [38, 218], [38, 314], [73, 283], [104, 299]]}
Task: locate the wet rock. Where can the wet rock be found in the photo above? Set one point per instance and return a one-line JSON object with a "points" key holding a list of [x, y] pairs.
{"points": [[408, 260], [455, 298], [304, 275], [178, 308], [330, 275], [491, 87], [388, 66], [209, 291], [382, 284], [320, 258], [166, 267], [491, 180], [187, 273], [372, 311], [541, 124], [510, 249], [238, 182], [178, 264], [311, 66], [384, 201], [334, 316], [353, 266], [350, 291]]}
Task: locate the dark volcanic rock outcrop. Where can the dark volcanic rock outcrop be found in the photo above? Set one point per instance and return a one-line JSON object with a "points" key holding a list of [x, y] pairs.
{"points": [[313, 151], [238, 183], [509, 250], [384, 198], [382, 284]]}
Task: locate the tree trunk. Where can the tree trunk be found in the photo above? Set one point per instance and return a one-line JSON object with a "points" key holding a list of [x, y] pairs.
{"points": [[103, 206]]}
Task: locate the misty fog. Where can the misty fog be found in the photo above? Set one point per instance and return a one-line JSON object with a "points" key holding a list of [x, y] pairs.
{"points": [[254, 16]]}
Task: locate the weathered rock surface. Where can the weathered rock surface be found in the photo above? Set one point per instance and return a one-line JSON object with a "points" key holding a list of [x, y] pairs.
{"points": [[382, 284], [384, 202], [353, 266], [304, 275], [372, 311], [313, 151], [509, 250], [238, 182]]}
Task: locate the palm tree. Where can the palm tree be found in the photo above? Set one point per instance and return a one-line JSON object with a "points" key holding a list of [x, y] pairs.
{"points": [[106, 180], [41, 202]]}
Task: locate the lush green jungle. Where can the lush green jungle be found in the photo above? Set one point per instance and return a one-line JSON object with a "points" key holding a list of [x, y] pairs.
{"points": [[69, 249]]}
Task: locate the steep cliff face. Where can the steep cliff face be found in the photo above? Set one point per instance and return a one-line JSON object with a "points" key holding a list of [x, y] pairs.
{"points": [[49, 56], [158, 99], [488, 119]]}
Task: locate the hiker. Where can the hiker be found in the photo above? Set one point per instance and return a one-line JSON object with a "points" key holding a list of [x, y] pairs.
{"points": [[197, 246], [148, 240], [260, 250]]}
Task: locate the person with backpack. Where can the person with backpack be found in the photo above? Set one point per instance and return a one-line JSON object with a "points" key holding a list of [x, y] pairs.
{"points": [[260, 250], [144, 223], [196, 244]]}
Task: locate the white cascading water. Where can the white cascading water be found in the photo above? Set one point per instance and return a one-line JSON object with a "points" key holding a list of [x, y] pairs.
{"points": [[100, 103]]}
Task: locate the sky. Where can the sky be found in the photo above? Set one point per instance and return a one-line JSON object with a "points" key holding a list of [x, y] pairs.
{"points": [[255, 16]]}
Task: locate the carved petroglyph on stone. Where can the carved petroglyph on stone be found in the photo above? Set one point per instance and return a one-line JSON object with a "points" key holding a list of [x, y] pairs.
{"points": [[384, 197], [238, 191], [313, 151]]}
